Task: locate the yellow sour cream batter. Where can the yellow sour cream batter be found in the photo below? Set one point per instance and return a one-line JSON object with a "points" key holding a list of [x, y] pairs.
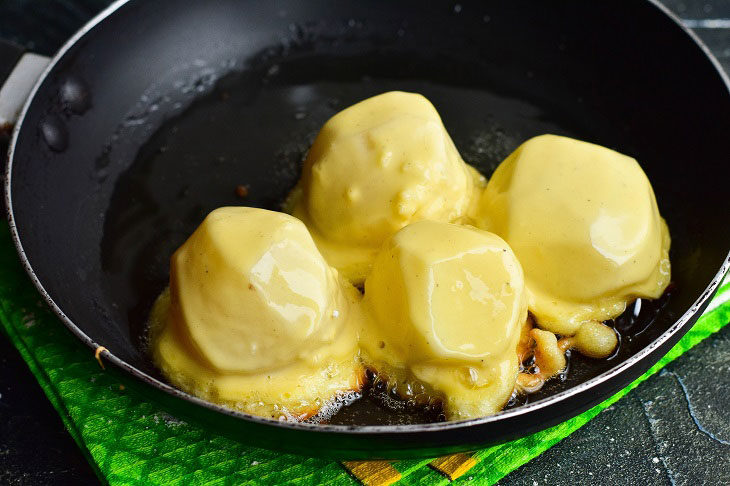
{"points": [[447, 305], [374, 168], [255, 318], [262, 316], [583, 222]]}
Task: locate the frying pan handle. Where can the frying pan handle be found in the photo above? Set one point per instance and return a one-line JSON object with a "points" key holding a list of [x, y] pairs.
{"points": [[19, 72]]}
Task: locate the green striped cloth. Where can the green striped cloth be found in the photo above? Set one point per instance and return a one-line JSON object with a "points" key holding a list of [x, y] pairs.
{"points": [[130, 441]]}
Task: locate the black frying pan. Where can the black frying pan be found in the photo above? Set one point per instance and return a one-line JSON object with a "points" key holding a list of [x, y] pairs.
{"points": [[151, 115]]}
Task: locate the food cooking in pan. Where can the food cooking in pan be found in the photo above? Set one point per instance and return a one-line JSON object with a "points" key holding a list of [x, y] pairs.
{"points": [[399, 263]]}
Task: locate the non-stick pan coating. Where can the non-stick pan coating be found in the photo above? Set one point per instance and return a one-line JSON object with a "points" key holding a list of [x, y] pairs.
{"points": [[157, 113]]}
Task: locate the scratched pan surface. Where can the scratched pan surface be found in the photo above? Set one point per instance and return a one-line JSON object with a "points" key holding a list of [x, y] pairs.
{"points": [[153, 114]]}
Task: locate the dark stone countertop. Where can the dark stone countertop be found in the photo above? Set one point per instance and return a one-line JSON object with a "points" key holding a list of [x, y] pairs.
{"points": [[673, 429]]}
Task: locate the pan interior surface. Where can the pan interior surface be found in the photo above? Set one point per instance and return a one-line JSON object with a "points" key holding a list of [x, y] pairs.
{"points": [[198, 100], [229, 138]]}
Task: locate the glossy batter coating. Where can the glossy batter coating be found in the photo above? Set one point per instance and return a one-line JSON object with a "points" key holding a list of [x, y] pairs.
{"points": [[584, 223]]}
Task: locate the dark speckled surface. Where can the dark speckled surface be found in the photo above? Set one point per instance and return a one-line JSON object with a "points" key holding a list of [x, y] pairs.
{"points": [[673, 429]]}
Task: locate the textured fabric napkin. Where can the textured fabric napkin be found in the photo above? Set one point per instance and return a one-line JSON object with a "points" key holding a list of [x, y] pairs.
{"points": [[128, 440]]}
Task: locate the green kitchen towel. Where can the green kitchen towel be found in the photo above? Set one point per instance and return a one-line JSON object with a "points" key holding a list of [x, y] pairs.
{"points": [[131, 441]]}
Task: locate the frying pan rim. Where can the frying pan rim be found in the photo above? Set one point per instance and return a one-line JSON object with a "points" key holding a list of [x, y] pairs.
{"points": [[678, 325]]}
